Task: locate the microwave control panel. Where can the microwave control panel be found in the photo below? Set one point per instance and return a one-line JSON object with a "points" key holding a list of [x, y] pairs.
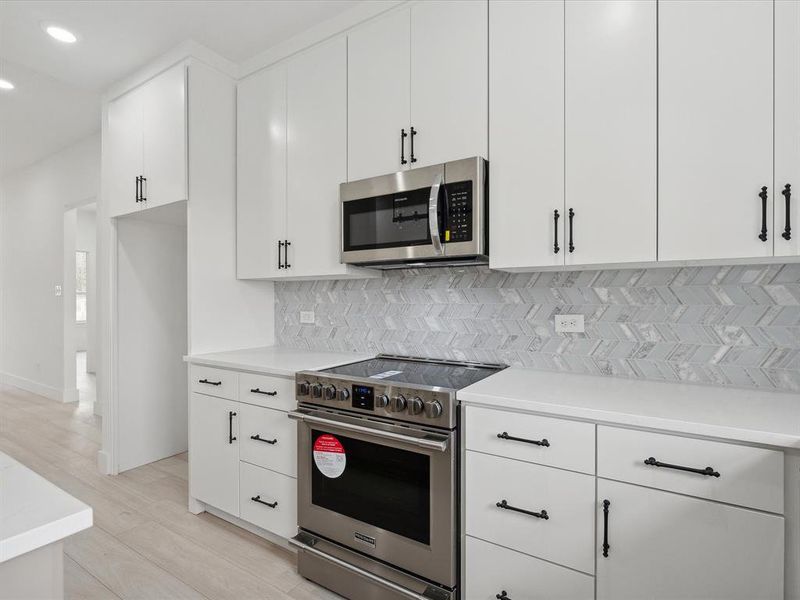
{"points": [[459, 214]]}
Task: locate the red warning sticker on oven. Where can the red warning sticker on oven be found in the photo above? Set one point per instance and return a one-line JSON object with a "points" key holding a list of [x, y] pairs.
{"points": [[329, 456]]}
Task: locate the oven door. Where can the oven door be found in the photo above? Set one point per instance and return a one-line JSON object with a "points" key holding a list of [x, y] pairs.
{"points": [[384, 490]]}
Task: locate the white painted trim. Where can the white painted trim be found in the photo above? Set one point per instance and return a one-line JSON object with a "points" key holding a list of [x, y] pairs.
{"points": [[102, 463], [341, 23], [71, 395], [35, 387]]}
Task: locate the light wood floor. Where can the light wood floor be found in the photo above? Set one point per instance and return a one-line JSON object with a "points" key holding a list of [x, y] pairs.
{"points": [[144, 543]]}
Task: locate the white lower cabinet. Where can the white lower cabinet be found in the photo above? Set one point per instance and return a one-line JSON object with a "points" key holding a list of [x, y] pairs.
{"points": [[268, 499], [664, 546], [214, 452], [541, 511], [242, 455], [494, 571]]}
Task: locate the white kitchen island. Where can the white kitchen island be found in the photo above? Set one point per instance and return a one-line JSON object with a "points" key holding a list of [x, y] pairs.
{"points": [[35, 518]]}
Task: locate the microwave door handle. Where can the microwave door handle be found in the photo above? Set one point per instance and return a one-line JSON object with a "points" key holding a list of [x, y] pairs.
{"points": [[428, 444], [433, 214]]}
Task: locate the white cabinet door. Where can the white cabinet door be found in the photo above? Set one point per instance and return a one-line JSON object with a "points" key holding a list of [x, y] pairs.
{"points": [[378, 98], [787, 127], [124, 153], [213, 455], [526, 121], [449, 96], [260, 173], [610, 134], [164, 134], [317, 158], [664, 546], [715, 128]]}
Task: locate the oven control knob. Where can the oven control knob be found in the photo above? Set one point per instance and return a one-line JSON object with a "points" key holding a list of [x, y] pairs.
{"points": [[343, 396], [303, 388], [415, 405], [433, 409], [316, 390], [330, 392], [382, 401], [398, 403]]}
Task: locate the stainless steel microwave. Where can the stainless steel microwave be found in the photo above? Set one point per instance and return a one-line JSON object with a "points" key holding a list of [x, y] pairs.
{"points": [[431, 216]]}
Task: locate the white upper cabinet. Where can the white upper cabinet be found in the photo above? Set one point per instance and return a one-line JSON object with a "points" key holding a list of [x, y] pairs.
{"points": [[610, 131], [317, 158], [715, 129], [165, 159], [526, 146], [379, 100], [449, 95], [124, 164], [261, 173], [417, 87], [291, 158], [146, 144], [787, 127]]}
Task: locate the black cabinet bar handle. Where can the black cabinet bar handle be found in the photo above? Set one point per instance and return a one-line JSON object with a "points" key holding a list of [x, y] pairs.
{"points": [[413, 133], [708, 471], [787, 193], [541, 442], [556, 216], [763, 196], [142, 188], [403, 136], [138, 193], [257, 437], [280, 262], [260, 501], [606, 504], [502, 596], [259, 391], [208, 382], [231, 437], [542, 514], [286, 245], [571, 217]]}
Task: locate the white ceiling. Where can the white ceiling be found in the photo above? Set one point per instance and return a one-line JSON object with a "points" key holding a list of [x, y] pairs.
{"points": [[56, 100]]}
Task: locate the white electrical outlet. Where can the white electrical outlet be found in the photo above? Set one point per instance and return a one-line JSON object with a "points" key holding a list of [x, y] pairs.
{"points": [[569, 324], [307, 316]]}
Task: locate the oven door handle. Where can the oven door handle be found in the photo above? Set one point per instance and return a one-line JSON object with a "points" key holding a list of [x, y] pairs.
{"points": [[433, 214], [390, 585], [428, 444]]}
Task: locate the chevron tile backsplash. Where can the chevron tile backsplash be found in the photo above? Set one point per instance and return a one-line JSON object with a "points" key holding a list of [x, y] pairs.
{"points": [[731, 325]]}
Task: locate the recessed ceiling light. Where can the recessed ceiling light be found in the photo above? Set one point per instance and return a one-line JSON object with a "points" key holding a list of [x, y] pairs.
{"points": [[5, 84], [61, 34]]}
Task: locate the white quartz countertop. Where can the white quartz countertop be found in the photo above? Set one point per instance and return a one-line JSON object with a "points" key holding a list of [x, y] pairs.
{"points": [[34, 512], [753, 416], [276, 360]]}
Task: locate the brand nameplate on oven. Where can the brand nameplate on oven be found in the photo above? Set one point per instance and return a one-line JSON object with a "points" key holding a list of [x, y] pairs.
{"points": [[364, 539]]}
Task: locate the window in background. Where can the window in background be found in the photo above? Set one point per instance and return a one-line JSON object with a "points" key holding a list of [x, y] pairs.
{"points": [[81, 259]]}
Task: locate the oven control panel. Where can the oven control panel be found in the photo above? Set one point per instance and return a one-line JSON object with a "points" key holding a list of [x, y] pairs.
{"points": [[397, 402]]}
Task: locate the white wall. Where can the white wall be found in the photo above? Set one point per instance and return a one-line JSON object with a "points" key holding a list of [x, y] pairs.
{"points": [[33, 203]]}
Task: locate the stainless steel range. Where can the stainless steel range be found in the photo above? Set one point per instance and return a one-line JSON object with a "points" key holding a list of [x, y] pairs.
{"points": [[378, 476]]}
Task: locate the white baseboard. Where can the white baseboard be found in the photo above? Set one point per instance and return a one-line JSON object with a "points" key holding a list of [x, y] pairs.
{"points": [[103, 463], [70, 395], [40, 389]]}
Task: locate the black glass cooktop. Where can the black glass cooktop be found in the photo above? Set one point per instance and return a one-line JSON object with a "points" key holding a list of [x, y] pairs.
{"points": [[414, 371]]}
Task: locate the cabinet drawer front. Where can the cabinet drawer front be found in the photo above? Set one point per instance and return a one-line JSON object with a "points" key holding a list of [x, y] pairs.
{"points": [[259, 491], [492, 570], [748, 476], [268, 439], [267, 391], [565, 537], [214, 382], [570, 444]]}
